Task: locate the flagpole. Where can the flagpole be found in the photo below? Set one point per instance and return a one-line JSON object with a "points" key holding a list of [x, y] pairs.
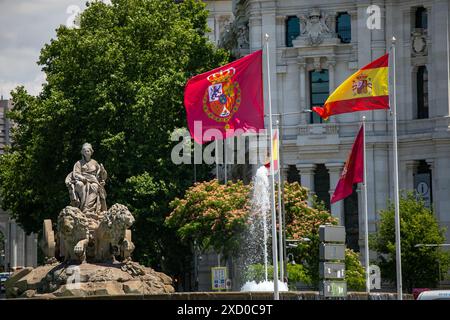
{"points": [[217, 160], [276, 294], [398, 254], [280, 220], [366, 216], [225, 159]]}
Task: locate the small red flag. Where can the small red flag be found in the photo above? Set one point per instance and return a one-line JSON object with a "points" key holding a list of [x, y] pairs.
{"points": [[353, 170], [227, 99]]}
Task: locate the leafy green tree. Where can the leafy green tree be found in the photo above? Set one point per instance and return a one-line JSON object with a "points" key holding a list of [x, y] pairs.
{"points": [[418, 225], [116, 82]]}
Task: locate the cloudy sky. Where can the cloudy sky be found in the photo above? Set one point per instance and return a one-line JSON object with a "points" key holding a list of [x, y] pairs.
{"points": [[25, 26]]}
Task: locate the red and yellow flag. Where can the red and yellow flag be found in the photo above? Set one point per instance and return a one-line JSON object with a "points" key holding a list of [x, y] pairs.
{"points": [[276, 151], [366, 89]]}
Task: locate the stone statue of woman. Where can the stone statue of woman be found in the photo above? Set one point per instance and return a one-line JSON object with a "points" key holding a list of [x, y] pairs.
{"points": [[86, 183]]}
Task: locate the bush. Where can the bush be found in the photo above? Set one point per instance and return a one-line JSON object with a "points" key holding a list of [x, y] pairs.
{"points": [[420, 265]]}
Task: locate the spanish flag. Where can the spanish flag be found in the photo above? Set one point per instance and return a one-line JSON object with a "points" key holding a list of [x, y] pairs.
{"points": [[276, 151], [366, 89]]}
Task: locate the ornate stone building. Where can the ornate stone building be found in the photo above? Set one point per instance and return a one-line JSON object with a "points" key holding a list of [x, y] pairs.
{"points": [[317, 44], [19, 249]]}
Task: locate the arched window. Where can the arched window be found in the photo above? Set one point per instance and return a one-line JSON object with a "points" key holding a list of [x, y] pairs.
{"points": [[421, 20], [292, 29], [344, 27], [319, 91], [422, 93]]}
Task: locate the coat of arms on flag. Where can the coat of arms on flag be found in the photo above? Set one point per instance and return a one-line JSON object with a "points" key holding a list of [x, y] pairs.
{"points": [[223, 97]]}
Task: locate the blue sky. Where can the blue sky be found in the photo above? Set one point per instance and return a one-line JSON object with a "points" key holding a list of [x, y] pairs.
{"points": [[25, 26]]}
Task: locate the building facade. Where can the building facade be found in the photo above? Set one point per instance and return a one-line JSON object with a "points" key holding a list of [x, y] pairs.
{"points": [[19, 249], [314, 45]]}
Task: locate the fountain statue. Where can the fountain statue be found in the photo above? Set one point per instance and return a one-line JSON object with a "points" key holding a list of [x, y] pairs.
{"points": [[93, 244]]}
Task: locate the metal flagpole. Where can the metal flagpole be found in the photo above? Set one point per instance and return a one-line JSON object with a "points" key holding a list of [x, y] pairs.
{"points": [[366, 216], [398, 254], [217, 160], [276, 294], [225, 159], [280, 220]]}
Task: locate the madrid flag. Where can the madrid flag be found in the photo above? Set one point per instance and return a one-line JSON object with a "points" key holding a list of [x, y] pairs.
{"points": [[228, 99], [366, 89], [353, 170]]}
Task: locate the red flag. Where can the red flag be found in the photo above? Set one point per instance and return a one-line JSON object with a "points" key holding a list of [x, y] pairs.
{"points": [[353, 170], [227, 99]]}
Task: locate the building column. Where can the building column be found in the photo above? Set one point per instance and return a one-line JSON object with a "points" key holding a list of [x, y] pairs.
{"points": [[292, 96], [13, 245], [408, 179], [331, 81], [302, 91], [307, 179], [337, 208]]}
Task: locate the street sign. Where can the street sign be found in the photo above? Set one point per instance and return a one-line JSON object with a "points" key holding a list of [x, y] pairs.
{"points": [[218, 278], [328, 251], [330, 270], [333, 289], [332, 233]]}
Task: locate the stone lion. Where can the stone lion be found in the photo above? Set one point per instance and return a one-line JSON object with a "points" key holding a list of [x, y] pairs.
{"points": [[111, 237], [73, 234]]}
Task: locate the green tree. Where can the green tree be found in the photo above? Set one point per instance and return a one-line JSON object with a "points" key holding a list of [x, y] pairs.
{"points": [[116, 82], [420, 265]]}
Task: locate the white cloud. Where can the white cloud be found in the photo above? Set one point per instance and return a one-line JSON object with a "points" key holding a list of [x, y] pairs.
{"points": [[26, 26]]}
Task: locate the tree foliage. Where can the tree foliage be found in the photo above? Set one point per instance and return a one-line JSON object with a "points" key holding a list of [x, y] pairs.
{"points": [[418, 225], [116, 82], [212, 214]]}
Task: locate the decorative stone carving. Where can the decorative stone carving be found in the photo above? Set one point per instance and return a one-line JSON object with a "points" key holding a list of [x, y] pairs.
{"points": [[316, 27], [88, 232], [86, 183], [110, 239], [419, 43]]}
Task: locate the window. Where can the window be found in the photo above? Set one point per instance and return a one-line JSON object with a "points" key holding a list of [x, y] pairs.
{"points": [[292, 29], [322, 185], [344, 27], [421, 21], [319, 91], [422, 93], [351, 220]]}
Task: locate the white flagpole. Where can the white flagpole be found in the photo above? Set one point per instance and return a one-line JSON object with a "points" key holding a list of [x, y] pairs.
{"points": [[398, 254], [280, 220], [276, 294], [217, 160], [366, 216], [225, 159]]}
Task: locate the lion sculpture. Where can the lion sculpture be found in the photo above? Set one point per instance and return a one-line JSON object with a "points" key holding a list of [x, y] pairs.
{"points": [[112, 237], [73, 234]]}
